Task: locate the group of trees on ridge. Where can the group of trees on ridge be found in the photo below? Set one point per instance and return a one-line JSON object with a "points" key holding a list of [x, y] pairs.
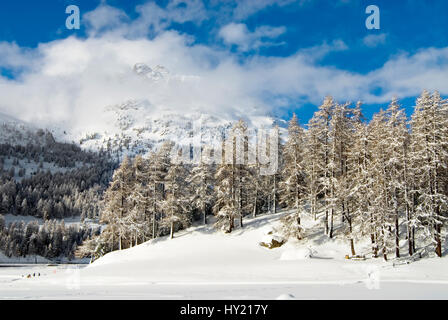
{"points": [[384, 180], [52, 240], [28, 189], [74, 191]]}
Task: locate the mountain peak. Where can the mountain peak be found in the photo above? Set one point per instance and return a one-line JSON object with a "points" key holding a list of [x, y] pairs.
{"points": [[156, 73], [142, 69]]}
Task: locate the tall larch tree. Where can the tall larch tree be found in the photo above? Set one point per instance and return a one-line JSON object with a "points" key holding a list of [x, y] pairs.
{"points": [[176, 206], [429, 154], [202, 180], [116, 203], [293, 188]]}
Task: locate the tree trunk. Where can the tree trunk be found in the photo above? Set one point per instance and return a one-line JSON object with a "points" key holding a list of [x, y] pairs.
{"points": [[374, 247], [313, 195], [397, 226], [154, 225], [154, 212], [384, 246], [121, 217], [330, 231], [438, 240], [172, 230], [231, 224], [352, 246], [409, 230], [397, 237], [413, 240], [254, 212], [113, 240], [410, 245], [275, 194], [269, 204]]}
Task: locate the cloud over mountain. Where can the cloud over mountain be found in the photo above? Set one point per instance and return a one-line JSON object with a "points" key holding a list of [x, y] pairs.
{"points": [[73, 79]]}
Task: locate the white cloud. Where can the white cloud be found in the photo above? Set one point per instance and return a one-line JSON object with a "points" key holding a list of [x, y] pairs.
{"points": [[235, 33], [406, 75], [74, 79], [104, 18], [374, 40], [15, 57], [246, 8], [152, 19], [318, 52], [238, 34]]}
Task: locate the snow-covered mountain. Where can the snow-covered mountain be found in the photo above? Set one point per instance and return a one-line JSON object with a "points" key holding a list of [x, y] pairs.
{"points": [[132, 127], [157, 73], [139, 125], [16, 132]]}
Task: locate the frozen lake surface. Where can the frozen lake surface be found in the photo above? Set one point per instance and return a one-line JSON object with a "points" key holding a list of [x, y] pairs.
{"points": [[65, 282]]}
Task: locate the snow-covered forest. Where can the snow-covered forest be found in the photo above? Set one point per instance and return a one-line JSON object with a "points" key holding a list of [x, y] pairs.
{"points": [[45, 181], [52, 240], [385, 180]]}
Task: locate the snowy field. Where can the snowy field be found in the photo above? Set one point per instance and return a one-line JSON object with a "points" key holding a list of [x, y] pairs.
{"points": [[201, 263]]}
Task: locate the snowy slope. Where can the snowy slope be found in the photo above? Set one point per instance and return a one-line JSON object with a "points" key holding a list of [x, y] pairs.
{"points": [[137, 126], [202, 254], [132, 127], [201, 263], [16, 132]]}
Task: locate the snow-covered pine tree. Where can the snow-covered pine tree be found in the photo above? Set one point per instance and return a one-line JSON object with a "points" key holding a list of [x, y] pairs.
{"points": [[396, 142], [429, 154], [341, 140], [159, 163], [361, 185], [225, 205], [260, 189], [292, 188], [202, 180], [409, 195], [237, 154], [141, 213], [380, 201], [314, 164], [356, 178], [263, 191], [320, 125], [176, 205], [116, 204], [271, 183], [229, 179]]}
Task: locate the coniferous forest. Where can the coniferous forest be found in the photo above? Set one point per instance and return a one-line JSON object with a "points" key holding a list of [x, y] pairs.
{"points": [[384, 180], [29, 191]]}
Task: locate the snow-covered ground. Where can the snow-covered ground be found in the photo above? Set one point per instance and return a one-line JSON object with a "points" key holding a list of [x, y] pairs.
{"points": [[76, 221], [202, 263]]}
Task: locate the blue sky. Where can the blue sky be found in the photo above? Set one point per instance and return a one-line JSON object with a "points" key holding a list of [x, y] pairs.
{"points": [[323, 44]]}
